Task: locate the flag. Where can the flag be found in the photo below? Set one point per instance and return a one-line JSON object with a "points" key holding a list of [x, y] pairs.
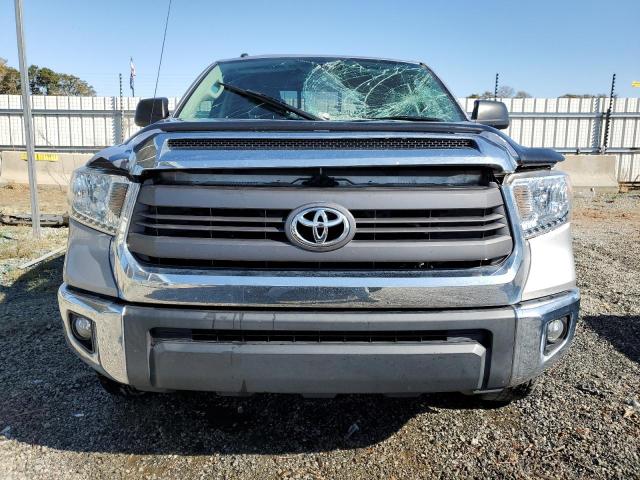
{"points": [[132, 76]]}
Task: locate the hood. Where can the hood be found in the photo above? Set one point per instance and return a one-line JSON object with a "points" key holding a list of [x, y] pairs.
{"points": [[176, 144]]}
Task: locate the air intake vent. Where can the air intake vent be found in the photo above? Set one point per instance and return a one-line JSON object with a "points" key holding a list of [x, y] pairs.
{"points": [[314, 337], [410, 143]]}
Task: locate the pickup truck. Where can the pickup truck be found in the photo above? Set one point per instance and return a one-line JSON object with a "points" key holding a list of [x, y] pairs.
{"points": [[320, 225]]}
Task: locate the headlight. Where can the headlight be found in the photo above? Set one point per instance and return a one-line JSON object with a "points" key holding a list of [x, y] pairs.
{"points": [[544, 201], [96, 199]]}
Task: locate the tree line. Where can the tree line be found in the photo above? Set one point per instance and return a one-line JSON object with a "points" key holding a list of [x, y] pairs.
{"points": [[42, 81]]}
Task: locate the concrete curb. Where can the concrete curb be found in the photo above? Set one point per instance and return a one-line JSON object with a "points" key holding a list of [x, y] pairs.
{"points": [[597, 172], [51, 168]]}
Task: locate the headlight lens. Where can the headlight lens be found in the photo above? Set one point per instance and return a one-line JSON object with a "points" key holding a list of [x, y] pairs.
{"points": [[96, 199], [544, 201]]}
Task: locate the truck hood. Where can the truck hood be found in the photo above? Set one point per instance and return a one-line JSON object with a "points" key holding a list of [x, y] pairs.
{"points": [[151, 148]]}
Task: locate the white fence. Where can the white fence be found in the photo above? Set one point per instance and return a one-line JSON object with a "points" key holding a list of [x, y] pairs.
{"points": [[577, 125], [570, 125]]}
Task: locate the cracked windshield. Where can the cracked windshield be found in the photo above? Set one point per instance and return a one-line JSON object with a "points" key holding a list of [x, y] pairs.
{"points": [[320, 89]]}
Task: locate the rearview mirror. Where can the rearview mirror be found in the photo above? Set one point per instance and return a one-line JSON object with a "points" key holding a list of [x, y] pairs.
{"points": [[150, 110], [490, 112]]}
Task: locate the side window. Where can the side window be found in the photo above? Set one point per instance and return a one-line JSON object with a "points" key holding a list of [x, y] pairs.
{"points": [[201, 100]]}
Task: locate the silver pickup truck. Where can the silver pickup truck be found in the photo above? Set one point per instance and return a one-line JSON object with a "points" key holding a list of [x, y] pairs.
{"points": [[320, 225]]}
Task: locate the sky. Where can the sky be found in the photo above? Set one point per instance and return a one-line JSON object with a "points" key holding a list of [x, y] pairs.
{"points": [[546, 48]]}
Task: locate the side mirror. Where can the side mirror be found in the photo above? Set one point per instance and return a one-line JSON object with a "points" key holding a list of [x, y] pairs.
{"points": [[492, 113], [150, 110]]}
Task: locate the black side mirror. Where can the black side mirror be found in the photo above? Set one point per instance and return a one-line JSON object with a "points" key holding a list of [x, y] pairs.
{"points": [[150, 110], [492, 113]]}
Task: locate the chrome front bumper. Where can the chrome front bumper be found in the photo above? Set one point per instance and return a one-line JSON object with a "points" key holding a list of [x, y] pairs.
{"points": [[124, 352]]}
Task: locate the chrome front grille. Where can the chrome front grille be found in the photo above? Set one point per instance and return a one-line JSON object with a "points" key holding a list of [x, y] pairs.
{"points": [[406, 228]]}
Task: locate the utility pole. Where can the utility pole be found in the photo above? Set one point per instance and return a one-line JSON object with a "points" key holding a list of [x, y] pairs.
{"points": [[495, 90], [28, 121]]}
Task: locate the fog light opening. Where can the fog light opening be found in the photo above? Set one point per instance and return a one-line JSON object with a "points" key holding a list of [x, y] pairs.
{"points": [[82, 330], [556, 331]]}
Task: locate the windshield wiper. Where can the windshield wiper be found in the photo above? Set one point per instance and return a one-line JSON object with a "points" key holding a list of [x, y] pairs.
{"points": [[275, 104], [407, 117]]}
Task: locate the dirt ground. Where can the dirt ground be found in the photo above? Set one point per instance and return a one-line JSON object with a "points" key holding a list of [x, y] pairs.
{"points": [[583, 421], [14, 198]]}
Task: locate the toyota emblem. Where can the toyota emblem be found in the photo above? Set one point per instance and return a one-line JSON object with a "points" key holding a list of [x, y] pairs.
{"points": [[320, 227]]}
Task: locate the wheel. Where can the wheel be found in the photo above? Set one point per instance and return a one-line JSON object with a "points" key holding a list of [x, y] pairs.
{"points": [[118, 389], [510, 394]]}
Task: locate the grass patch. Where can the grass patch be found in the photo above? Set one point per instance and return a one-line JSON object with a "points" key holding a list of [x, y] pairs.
{"points": [[18, 242]]}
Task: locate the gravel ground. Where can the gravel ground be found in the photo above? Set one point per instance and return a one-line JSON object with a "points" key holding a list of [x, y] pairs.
{"points": [[583, 420]]}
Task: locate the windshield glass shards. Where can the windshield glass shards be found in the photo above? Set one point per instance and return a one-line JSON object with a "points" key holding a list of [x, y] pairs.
{"points": [[336, 89]]}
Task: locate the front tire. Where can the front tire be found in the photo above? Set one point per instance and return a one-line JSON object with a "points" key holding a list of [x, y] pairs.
{"points": [[510, 394], [118, 389]]}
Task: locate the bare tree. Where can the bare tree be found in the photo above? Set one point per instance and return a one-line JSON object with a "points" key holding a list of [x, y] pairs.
{"points": [[505, 91]]}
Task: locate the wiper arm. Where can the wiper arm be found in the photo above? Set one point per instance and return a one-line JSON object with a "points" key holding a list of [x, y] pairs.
{"points": [[408, 117], [272, 102]]}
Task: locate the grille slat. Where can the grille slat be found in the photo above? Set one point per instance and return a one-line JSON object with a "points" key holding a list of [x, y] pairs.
{"points": [[374, 251], [413, 229], [205, 228], [462, 220], [208, 218], [414, 220], [375, 143], [309, 266]]}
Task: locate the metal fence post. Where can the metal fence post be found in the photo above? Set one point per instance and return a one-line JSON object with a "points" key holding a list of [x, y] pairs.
{"points": [[121, 136], [607, 123]]}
